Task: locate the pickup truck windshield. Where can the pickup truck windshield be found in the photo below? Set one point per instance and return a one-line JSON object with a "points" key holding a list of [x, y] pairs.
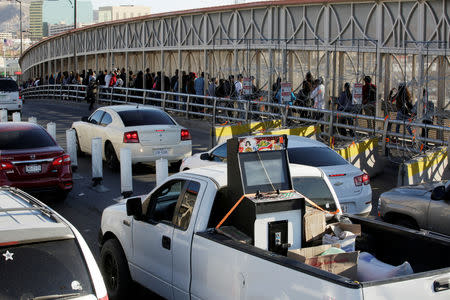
{"points": [[41, 269]]}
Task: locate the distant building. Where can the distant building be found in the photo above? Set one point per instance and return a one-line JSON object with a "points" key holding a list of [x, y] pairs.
{"points": [[6, 35], [54, 29], [36, 19], [112, 13], [61, 11]]}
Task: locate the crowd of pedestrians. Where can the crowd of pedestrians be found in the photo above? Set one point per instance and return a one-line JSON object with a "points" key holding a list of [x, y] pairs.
{"points": [[311, 92]]}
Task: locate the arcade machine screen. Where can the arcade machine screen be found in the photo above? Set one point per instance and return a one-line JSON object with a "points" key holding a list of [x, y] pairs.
{"points": [[264, 172]]}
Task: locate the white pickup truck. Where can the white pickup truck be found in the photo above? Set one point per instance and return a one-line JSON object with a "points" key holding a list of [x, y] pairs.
{"points": [[166, 242]]}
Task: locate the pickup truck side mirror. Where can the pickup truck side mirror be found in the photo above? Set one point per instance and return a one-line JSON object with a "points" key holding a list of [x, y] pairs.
{"points": [[205, 156], [134, 208], [84, 119], [438, 193]]}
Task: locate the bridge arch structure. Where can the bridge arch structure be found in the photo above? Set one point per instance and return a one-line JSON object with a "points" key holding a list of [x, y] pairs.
{"points": [[392, 41]]}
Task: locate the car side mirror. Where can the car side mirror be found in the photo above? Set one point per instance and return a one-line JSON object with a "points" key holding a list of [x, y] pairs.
{"points": [[205, 156], [134, 208], [84, 119], [438, 193]]}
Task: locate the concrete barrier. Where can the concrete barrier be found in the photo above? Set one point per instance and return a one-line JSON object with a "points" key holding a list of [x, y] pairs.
{"points": [[32, 120], [71, 142], [97, 162], [365, 156], [162, 170], [16, 117], [126, 176], [3, 115], [51, 129], [430, 166], [224, 132]]}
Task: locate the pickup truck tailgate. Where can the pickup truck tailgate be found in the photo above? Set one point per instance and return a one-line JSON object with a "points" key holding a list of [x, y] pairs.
{"points": [[410, 287]]}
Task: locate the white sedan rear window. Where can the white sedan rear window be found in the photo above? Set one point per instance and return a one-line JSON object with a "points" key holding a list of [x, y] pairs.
{"points": [[144, 117]]}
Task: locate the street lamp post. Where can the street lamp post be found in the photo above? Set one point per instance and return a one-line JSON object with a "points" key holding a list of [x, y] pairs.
{"points": [[75, 63], [20, 21]]}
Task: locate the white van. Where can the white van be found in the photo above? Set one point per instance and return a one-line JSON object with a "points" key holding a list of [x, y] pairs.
{"points": [[9, 96], [42, 256]]}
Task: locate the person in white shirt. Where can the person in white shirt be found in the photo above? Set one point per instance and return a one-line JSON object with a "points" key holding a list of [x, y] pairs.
{"points": [[318, 96], [238, 89], [108, 79], [238, 86]]}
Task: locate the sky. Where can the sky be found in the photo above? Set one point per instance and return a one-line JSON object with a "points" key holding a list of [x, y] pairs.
{"points": [[165, 5]]}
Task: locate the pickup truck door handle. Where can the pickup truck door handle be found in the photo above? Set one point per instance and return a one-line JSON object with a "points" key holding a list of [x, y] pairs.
{"points": [[166, 242], [441, 284]]}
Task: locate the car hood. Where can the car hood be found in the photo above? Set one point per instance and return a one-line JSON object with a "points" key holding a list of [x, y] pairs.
{"points": [[417, 190]]}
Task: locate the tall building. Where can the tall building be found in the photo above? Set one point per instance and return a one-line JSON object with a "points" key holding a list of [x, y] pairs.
{"points": [[61, 11], [111, 13], [36, 19]]}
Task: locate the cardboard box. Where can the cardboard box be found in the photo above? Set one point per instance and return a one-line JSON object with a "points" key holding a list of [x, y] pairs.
{"points": [[344, 264], [304, 253], [314, 223]]}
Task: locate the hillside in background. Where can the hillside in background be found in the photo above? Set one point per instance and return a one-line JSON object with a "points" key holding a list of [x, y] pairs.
{"points": [[9, 16]]}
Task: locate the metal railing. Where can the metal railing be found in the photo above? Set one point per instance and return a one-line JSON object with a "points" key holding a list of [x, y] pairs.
{"points": [[225, 110]]}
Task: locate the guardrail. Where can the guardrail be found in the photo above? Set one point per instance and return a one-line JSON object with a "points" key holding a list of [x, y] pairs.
{"points": [[223, 110]]}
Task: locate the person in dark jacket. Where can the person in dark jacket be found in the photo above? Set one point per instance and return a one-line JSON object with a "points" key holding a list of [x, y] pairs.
{"points": [[344, 104]]}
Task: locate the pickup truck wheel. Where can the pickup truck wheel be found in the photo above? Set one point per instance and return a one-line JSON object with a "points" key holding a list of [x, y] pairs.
{"points": [[115, 270]]}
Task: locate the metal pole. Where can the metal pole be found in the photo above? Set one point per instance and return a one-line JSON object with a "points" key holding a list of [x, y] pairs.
{"points": [[20, 25], [75, 63]]}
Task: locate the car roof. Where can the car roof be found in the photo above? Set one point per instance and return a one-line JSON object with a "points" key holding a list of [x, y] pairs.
{"points": [[126, 107], [300, 141], [18, 126], [24, 219], [219, 172], [295, 141]]}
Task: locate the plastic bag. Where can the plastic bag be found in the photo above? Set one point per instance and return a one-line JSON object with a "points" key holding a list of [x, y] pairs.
{"points": [[370, 269]]}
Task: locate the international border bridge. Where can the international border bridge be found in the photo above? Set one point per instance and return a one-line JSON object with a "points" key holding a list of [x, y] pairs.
{"points": [[392, 41]]}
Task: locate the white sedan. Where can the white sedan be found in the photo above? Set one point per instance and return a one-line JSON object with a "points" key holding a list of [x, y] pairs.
{"points": [[149, 133], [352, 186]]}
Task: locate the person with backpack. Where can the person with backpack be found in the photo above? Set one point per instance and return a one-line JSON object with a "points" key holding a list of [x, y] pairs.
{"points": [[369, 99]]}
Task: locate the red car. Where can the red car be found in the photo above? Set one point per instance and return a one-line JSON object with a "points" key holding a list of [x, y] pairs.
{"points": [[30, 159]]}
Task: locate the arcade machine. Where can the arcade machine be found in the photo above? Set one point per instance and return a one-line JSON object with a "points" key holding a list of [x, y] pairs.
{"points": [[261, 202]]}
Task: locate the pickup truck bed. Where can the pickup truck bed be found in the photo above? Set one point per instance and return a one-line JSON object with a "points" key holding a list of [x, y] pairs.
{"points": [[427, 255]]}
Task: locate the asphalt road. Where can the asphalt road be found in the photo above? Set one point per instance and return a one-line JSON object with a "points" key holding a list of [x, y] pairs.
{"points": [[83, 207]]}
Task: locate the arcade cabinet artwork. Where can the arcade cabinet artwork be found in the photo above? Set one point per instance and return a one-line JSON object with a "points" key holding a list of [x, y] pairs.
{"points": [[261, 202]]}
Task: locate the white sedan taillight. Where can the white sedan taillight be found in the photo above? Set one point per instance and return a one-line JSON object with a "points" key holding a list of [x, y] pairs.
{"points": [[131, 137], [185, 135], [362, 179]]}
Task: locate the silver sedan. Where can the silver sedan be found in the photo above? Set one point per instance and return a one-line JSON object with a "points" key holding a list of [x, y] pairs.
{"points": [[423, 206]]}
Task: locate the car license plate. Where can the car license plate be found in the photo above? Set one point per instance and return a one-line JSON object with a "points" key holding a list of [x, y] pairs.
{"points": [[161, 152], [33, 168]]}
